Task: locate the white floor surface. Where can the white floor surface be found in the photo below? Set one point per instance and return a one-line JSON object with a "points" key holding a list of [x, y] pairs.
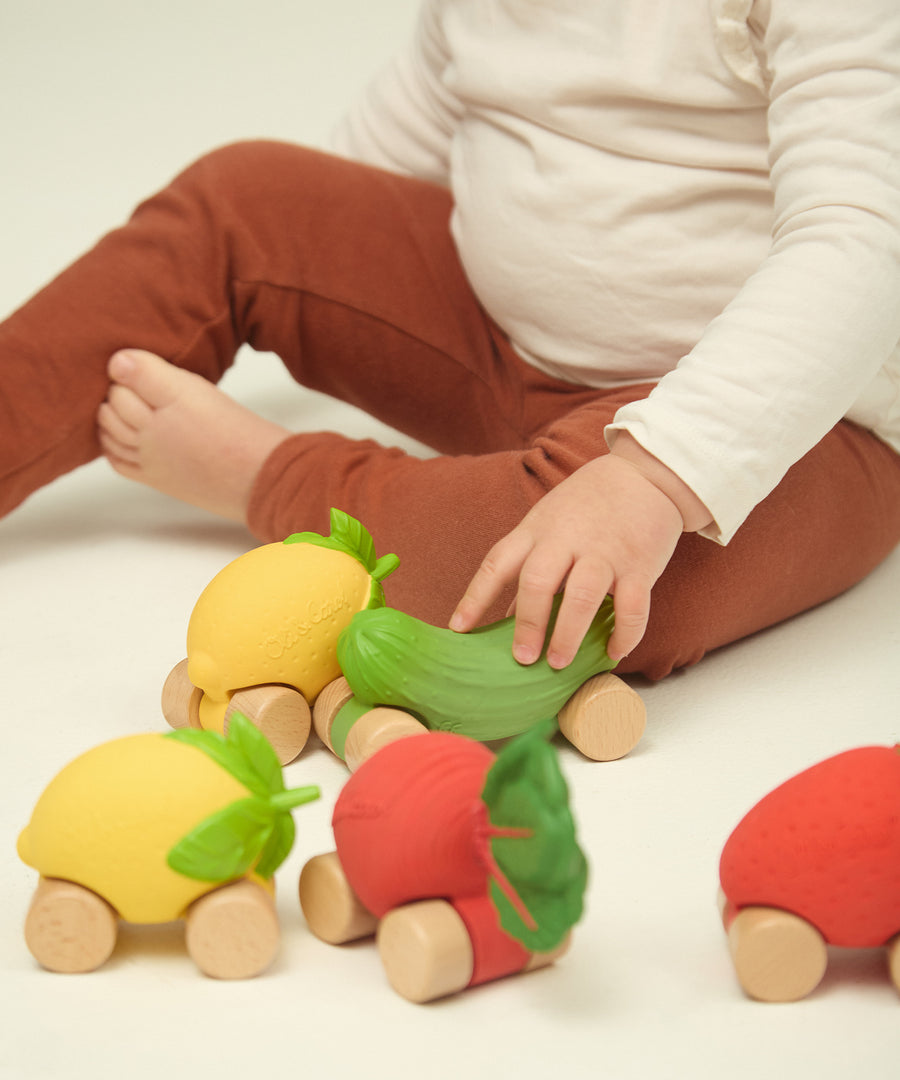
{"points": [[100, 103]]}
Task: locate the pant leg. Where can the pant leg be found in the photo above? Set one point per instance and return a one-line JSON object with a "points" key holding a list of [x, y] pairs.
{"points": [[834, 517], [348, 273]]}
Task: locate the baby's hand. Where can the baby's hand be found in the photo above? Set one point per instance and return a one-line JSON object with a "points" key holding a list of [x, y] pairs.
{"points": [[607, 528]]}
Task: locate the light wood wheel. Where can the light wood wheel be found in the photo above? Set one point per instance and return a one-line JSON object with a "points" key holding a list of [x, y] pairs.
{"points": [[181, 699], [893, 954], [333, 911], [539, 960], [233, 932], [777, 955], [280, 712], [376, 729], [328, 704], [604, 719], [69, 928], [426, 950]]}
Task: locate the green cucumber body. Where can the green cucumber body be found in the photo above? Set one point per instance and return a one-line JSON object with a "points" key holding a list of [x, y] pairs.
{"points": [[468, 684]]}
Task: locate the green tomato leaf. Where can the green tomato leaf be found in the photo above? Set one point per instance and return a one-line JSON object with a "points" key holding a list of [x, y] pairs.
{"points": [[539, 872], [226, 844]]}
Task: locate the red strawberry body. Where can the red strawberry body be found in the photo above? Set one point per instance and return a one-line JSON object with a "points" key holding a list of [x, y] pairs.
{"points": [[407, 823], [825, 845]]}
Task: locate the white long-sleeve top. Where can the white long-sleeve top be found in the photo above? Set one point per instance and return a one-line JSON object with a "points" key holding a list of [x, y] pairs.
{"points": [[705, 193]]}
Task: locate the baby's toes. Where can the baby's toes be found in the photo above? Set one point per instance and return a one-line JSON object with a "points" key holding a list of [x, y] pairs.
{"points": [[153, 381], [127, 410], [118, 441], [114, 427], [124, 459]]}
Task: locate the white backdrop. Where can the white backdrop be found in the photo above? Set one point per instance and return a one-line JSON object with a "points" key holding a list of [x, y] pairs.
{"points": [[100, 103]]}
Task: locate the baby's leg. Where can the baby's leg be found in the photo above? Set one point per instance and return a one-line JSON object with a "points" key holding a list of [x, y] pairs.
{"points": [[347, 273]]}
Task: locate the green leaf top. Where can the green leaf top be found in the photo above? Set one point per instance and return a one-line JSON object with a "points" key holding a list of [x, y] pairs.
{"points": [[277, 847], [245, 753], [352, 538], [255, 833], [539, 872]]}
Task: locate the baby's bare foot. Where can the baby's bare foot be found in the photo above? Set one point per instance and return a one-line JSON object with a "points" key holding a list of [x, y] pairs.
{"points": [[178, 433]]}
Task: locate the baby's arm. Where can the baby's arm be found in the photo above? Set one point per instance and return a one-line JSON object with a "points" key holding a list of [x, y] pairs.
{"points": [[610, 527], [405, 119], [791, 354]]}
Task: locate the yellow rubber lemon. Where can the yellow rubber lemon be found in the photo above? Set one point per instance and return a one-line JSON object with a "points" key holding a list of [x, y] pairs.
{"points": [[274, 615], [109, 819], [152, 822]]}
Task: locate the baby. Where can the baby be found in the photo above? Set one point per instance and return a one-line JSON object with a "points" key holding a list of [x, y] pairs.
{"points": [[633, 273]]}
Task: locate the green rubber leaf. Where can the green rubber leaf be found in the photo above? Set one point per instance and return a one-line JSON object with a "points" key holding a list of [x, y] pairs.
{"points": [[254, 833], [354, 539], [277, 847], [285, 801], [225, 845], [526, 795], [385, 566], [246, 754], [258, 755]]}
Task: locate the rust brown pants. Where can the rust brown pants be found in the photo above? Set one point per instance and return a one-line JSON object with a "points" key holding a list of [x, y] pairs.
{"points": [[350, 276]]}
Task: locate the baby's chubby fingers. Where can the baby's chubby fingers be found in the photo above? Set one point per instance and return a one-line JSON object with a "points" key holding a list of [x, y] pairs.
{"points": [[586, 589], [500, 566], [632, 608], [540, 579], [609, 527]]}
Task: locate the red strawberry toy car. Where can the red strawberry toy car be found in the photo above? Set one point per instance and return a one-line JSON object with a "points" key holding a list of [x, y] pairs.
{"points": [[815, 863], [464, 864]]}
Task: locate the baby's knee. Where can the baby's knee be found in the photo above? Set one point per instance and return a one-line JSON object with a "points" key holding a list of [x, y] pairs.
{"points": [[252, 170]]}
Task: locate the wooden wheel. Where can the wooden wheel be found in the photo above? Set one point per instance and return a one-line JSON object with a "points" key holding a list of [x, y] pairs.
{"points": [[331, 908], [604, 719], [777, 955], [233, 932], [329, 703], [426, 950], [69, 928], [280, 712], [540, 960], [893, 953], [181, 699], [372, 730], [376, 729]]}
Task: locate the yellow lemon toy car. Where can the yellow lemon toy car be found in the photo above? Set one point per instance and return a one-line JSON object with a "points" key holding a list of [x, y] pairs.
{"points": [[152, 828]]}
